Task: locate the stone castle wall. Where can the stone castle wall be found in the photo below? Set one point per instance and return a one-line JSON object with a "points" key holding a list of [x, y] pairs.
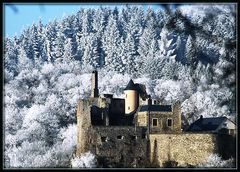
{"points": [[84, 126], [99, 132], [134, 149], [185, 149], [120, 146], [116, 146]]}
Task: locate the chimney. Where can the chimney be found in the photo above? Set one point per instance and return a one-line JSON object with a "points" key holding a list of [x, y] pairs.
{"points": [[154, 102], [149, 101], [94, 91]]}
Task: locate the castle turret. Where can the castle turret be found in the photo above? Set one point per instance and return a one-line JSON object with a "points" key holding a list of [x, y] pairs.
{"points": [[94, 91], [131, 98]]}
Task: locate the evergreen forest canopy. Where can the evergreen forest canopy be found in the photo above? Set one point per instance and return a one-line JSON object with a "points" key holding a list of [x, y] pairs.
{"points": [[187, 55]]}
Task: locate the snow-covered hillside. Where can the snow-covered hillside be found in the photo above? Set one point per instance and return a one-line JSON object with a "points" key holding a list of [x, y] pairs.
{"points": [[47, 69]]}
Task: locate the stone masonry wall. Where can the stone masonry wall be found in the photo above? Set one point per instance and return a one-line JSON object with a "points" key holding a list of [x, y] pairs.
{"points": [[185, 149], [119, 146], [84, 127]]}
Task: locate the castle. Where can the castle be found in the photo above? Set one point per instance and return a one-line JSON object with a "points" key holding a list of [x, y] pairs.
{"points": [[138, 131]]}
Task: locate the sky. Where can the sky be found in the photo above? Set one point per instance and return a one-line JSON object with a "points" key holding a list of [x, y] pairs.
{"points": [[19, 16]]}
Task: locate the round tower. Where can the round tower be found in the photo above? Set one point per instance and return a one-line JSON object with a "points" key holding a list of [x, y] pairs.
{"points": [[131, 98]]}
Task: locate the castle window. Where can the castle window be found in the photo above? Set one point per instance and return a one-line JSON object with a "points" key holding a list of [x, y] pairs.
{"points": [[154, 122], [120, 137], [143, 136], [128, 107], [134, 137], [126, 95], [104, 139], [225, 125], [231, 131], [169, 122]]}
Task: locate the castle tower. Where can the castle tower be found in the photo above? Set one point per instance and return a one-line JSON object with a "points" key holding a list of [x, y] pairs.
{"points": [[94, 91], [131, 98]]}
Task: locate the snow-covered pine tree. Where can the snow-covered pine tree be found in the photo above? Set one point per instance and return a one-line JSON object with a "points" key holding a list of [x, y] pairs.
{"points": [[58, 45], [51, 35], [166, 55], [146, 39], [37, 43], [150, 16], [135, 24], [111, 42], [77, 27], [82, 36], [99, 21], [160, 20], [124, 18], [11, 56], [224, 74], [76, 23], [180, 50], [42, 39], [23, 61], [148, 66], [26, 42], [90, 55], [167, 44], [86, 22], [68, 50], [129, 55], [191, 52], [68, 30], [123, 56], [99, 25]]}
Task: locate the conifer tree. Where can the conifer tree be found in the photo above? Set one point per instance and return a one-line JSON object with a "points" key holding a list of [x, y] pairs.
{"points": [[111, 41], [11, 55], [191, 52], [58, 45], [37, 43], [146, 39], [90, 54], [167, 44], [23, 61], [51, 35]]}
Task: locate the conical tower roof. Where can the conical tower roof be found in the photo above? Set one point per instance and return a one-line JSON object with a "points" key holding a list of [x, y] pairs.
{"points": [[131, 86]]}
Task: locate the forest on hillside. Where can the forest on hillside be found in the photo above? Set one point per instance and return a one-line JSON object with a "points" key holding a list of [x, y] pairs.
{"points": [[188, 55]]}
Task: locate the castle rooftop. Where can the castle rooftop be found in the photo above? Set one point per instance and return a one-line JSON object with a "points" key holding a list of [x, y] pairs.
{"points": [[131, 86], [207, 124], [162, 108]]}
